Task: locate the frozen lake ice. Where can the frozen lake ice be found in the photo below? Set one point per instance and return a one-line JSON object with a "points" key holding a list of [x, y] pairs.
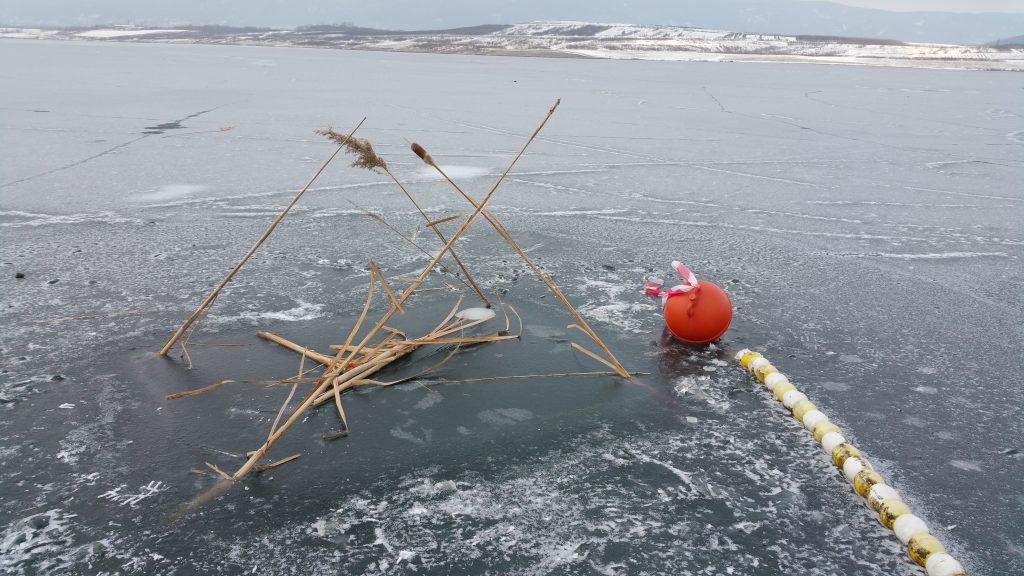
{"points": [[865, 221]]}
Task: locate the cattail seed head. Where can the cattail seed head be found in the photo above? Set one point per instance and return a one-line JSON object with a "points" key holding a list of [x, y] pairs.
{"points": [[419, 151]]}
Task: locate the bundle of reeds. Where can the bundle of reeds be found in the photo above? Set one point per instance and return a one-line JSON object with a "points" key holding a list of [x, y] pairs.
{"points": [[365, 353]]}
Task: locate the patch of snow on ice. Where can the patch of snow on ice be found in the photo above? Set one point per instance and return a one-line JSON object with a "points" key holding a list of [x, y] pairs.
{"points": [[131, 499], [35, 219], [936, 255], [303, 312], [504, 416], [968, 465], [618, 305], [169, 192], [43, 544], [453, 172]]}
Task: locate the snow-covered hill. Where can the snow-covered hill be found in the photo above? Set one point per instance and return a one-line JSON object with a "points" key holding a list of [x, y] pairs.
{"points": [[584, 39], [675, 43]]}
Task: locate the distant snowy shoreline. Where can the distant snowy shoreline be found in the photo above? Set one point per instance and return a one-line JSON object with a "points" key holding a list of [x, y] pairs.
{"points": [[578, 39]]}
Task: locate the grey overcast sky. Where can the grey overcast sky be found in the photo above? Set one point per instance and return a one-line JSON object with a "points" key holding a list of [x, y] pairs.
{"points": [[940, 5]]}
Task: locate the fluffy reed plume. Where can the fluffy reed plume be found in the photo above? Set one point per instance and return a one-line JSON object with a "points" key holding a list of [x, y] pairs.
{"points": [[361, 148]]}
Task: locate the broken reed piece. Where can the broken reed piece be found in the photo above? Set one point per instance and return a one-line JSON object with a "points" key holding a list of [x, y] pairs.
{"points": [[208, 302], [581, 324], [336, 373]]}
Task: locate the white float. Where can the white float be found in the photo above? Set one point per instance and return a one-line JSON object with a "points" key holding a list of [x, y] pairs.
{"points": [[792, 397], [812, 418], [831, 440], [907, 526], [942, 564], [853, 466], [879, 493], [774, 379], [757, 362]]}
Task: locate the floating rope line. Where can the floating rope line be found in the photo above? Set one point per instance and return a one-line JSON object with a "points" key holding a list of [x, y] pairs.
{"points": [[893, 513]]}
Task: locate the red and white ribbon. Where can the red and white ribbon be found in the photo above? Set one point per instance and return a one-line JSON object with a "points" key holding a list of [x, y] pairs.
{"points": [[653, 286]]}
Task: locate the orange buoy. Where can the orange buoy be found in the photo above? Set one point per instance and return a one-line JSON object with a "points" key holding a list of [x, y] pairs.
{"points": [[700, 315]]}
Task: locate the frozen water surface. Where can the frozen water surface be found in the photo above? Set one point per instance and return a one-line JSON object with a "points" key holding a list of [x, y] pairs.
{"points": [[865, 221]]}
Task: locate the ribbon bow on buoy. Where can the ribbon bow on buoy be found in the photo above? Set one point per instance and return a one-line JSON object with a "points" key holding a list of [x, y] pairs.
{"points": [[703, 316], [653, 285]]}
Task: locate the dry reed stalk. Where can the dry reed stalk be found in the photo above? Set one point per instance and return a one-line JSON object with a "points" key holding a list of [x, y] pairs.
{"points": [[374, 363], [352, 333], [387, 287], [442, 362], [291, 394], [387, 343], [341, 347], [184, 343], [436, 336], [212, 387], [219, 472], [258, 454], [313, 355], [441, 237], [612, 362], [341, 410], [344, 380], [445, 219], [466, 339], [335, 388], [219, 488], [336, 371], [367, 158], [458, 233], [208, 302], [394, 331], [595, 357], [532, 376], [284, 460], [380, 220], [197, 391], [362, 316], [364, 355]]}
